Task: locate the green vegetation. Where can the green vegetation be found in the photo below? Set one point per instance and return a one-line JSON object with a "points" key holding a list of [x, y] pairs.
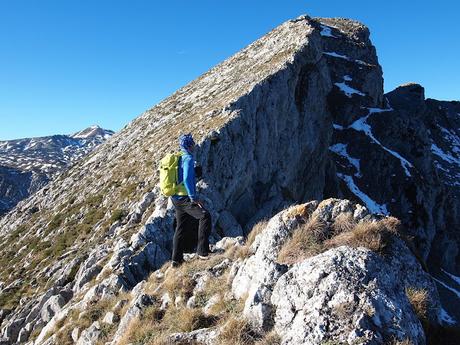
{"points": [[56, 221], [118, 214], [95, 311]]}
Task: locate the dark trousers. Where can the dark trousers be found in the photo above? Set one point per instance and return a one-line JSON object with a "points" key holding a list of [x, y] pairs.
{"points": [[186, 214]]}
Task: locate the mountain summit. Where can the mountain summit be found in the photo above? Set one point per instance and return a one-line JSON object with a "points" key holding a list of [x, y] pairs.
{"points": [[92, 132], [298, 115]]}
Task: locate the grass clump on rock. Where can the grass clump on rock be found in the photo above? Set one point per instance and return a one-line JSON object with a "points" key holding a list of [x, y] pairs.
{"points": [[315, 236]]}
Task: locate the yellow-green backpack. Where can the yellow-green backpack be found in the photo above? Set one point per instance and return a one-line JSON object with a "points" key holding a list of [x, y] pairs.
{"points": [[169, 172]]}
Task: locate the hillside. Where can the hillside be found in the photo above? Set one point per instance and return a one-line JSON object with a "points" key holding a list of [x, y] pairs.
{"points": [[26, 165]]}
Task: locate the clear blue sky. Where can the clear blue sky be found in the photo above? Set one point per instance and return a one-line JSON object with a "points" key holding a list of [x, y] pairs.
{"points": [[65, 65]]}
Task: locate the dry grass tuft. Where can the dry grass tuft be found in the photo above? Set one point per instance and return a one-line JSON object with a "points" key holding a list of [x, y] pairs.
{"points": [[303, 211], [227, 307], [306, 241], [316, 236], [419, 300], [343, 223], [237, 331], [392, 224], [375, 236], [238, 252], [187, 320], [271, 338], [154, 326], [179, 282]]}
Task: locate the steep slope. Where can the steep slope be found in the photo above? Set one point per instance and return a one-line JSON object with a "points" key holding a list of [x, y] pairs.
{"points": [[288, 119], [26, 165], [314, 273]]}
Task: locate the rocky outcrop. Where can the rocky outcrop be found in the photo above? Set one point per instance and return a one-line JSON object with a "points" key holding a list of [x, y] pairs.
{"points": [[344, 294]]}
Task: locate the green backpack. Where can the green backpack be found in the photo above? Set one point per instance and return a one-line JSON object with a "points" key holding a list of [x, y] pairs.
{"points": [[169, 172]]}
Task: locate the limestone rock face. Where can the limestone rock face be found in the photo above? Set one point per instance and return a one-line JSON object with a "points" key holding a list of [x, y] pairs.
{"points": [[344, 294]]}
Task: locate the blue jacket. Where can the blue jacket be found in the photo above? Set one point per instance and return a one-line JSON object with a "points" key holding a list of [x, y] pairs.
{"points": [[186, 173]]}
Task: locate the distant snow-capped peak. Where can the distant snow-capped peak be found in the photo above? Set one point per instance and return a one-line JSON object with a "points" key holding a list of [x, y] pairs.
{"points": [[93, 131]]}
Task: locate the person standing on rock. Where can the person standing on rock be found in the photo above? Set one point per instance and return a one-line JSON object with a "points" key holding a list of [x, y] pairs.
{"points": [[189, 207]]}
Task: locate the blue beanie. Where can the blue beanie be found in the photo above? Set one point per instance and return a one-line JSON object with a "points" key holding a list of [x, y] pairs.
{"points": [[186, 141]]}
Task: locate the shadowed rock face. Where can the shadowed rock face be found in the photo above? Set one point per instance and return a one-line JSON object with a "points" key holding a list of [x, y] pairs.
{"points": [[405, 158], [299, 114]]}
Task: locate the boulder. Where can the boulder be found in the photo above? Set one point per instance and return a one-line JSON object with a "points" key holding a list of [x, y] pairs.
{"points": [[204, 336], [347, 295], [90, 335], [135, 309], [111, 318]]}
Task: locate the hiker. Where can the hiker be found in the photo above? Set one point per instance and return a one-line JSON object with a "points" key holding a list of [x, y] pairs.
{"points": [[188, 207]]}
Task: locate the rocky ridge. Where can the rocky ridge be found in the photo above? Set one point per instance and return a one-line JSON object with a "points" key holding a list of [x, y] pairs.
{"points": [[345, 294], [288, 119], [26, 165]]}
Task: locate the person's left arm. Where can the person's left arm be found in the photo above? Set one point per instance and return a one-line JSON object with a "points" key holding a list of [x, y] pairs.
{"points": [[189, 177]]}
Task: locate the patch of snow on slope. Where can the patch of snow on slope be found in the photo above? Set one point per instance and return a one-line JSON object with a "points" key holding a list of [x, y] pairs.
{"points": [[338, 127], [445, 156], [326, 31], [362, 126], [348, 90], [361, 62], [334, 54], [341, 150], [371, 205], [347, 78]]}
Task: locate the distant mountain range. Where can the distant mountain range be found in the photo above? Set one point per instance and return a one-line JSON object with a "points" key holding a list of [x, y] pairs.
{"points": [[26, 165]]}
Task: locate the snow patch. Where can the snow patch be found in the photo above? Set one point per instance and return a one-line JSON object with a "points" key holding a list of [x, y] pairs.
{"points": [[362, 126], [334, 54], [341, 150], [371, 205], [326, 31], [361, 62], [348, 90], [347, 78], [445, 156], [338, 127]]}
